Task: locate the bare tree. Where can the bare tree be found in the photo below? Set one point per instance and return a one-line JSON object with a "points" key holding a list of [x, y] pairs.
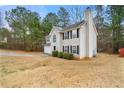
{"points": [[99, 26], [76, 14], [99, 18]]}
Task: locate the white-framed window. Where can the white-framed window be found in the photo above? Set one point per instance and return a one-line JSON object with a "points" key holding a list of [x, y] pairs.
{"points": [[74, 49], [66, 49], [74, 34], [65, 35], [54, 38]]}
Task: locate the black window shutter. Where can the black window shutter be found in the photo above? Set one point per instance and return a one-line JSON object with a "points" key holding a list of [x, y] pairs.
{"points": [[77, 49], [78, 33], [63, 36], [70, 49], [63, 48], [70, 34]]}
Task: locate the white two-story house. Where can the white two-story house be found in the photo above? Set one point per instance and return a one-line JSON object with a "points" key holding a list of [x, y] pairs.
{"points": [[79, 39]]}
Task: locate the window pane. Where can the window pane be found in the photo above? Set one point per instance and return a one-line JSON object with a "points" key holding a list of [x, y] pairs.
{"points": [[74, 50], [54, 38]]}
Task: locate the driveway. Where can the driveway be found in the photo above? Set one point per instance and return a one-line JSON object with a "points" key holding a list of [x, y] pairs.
{"points": [[20, 53], [13, 54]]}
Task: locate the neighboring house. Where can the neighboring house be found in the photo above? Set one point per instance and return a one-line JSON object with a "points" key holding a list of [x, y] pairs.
{"points": [[79, 39]]}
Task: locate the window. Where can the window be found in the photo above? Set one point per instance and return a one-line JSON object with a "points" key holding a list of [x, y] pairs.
{"points": [[78, 33], [65, 35], [74, 50], [66, 49], [74, 34], [54, 48], [54, 38]]}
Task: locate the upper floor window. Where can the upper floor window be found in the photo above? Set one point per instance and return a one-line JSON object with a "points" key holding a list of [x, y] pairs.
{"points": [[74, 35], [66, 35], [54, 38]]}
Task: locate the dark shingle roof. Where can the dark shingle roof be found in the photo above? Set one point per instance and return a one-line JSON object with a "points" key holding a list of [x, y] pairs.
{"points": [[74, 25]]}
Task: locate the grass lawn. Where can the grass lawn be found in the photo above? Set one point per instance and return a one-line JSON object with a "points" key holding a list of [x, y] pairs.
{"points": [[40, 70]]}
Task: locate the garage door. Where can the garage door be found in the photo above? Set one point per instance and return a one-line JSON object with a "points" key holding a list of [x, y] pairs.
{"points": [[47, 50]]}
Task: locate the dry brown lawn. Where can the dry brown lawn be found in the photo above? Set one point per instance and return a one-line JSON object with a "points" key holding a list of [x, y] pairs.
{"points": [[44, 71]]}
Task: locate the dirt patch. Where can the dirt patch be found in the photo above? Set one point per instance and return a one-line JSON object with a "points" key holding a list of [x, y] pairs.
{"points": [[40, 70]]}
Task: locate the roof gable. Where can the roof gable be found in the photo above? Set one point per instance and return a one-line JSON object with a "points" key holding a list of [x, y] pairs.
{"points": [[55, 29]]}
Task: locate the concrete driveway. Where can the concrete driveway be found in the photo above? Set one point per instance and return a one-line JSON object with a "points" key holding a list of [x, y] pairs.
{"points": [[10, 53]]}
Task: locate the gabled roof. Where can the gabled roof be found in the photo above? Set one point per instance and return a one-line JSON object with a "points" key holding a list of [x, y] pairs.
{"points": [[55, 27], [73, 25]]}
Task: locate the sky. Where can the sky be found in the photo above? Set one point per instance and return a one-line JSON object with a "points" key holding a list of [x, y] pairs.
{"points": [[42, 10]]}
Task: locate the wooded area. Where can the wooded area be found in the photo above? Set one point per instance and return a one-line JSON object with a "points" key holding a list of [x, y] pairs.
{"points": [[28, 31]]}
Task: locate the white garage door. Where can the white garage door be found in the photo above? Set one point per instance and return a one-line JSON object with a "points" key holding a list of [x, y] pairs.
{"points": [[47, 50]]}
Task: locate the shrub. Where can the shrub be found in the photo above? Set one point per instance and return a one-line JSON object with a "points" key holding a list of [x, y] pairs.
{"points": [[71, 56], [55, 53], [60, 54], [68, 56], [65, 55]]}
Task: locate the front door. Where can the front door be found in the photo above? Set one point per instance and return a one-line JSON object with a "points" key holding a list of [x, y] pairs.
{"points": [[54, 48]]}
